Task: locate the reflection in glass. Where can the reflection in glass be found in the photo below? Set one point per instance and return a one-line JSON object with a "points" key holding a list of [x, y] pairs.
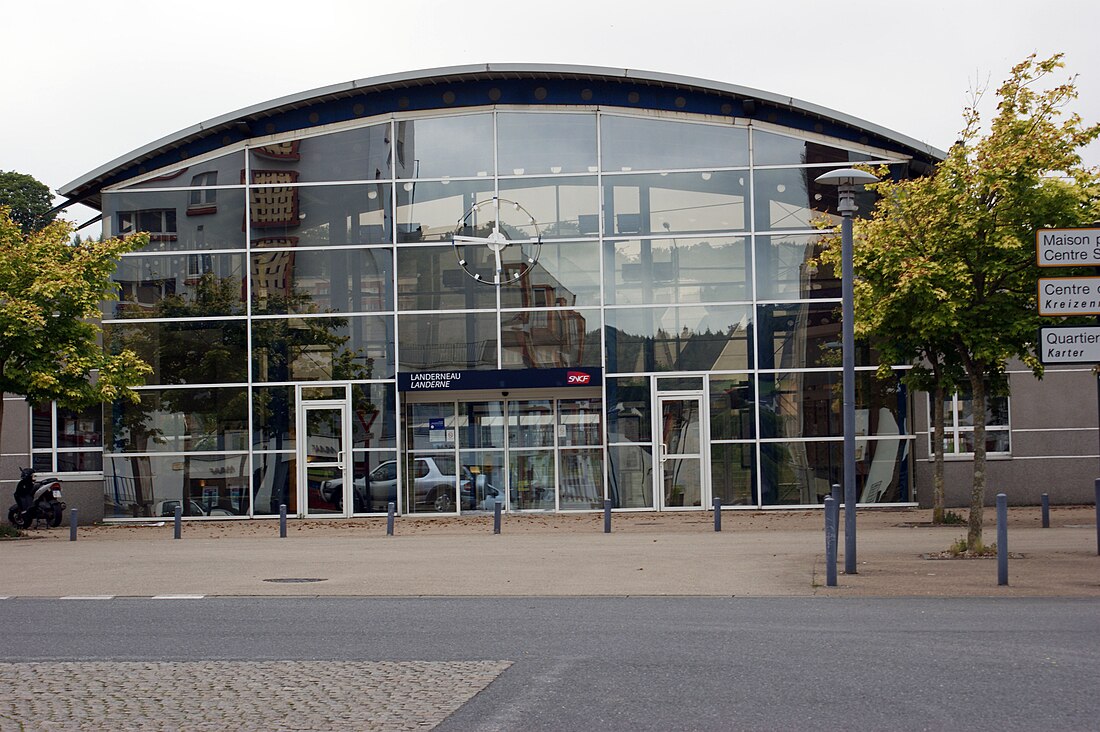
{"points": [[802, 473], [648, 144], [483, 483], [359, 154], [531, 423], [714, 338], [275, 483], [322, 349], [566, 274], [219, 171], [650, 271], [791, 199], [579, 422], [431, 210], [273, 422], [676, 202], [430, 278], [628, 409], [430, 426], [327, 281], [550, 338], [732, 407], [178, 286], [732, 475], [535, 144], [562, 207], [455, 146], [807, 404], [630, 476], [374, 484], [286, 215], [802, 336], [172, 220], [787, 269], [324, 489], [153, 486], [481, 424], [532, 477], [324, 441], [769, 148], [682, 482], [580, 480], [444, 341], [432, 482], [180, 420], [184, 352], [373, 415]]}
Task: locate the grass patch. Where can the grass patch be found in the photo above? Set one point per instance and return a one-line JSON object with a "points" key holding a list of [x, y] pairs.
{"points": [[950, 517], [7, 531]]}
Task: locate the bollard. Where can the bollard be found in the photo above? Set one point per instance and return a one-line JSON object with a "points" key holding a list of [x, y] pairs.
{"points": [[282, 520], [391, 509], [1097, 487], [836, 494], [72, 524], [607, 517], [832, 517], [1002, 539], [179, 521], [717, 514], [1046, 510], [497, 505]]}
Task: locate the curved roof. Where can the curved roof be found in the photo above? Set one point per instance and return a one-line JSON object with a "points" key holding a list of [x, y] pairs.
{"points": [[468, 86]]}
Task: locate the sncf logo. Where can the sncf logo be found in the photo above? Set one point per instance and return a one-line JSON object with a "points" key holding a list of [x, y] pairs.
{"points": [[578, 377]]}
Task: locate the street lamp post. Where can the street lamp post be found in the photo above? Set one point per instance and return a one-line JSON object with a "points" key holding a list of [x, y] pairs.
{"points": [[848, 181]]}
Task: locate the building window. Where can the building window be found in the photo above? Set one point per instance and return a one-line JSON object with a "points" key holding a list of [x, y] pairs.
{"points": [[160, 223], [66, 441], [958, 418], [203, 199]]}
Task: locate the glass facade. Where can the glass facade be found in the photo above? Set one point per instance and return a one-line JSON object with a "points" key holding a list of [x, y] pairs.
{"points": [[289, 287]]}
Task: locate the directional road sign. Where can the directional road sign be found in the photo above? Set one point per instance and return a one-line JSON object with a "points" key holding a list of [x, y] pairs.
{"points": [[1069, 296], [1067, 247], [1069, 344]]}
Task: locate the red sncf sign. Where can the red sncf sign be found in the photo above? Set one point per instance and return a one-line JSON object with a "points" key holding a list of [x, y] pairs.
{"points": [[577, 377]]}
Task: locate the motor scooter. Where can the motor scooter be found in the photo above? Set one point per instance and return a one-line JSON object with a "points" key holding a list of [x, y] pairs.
{"points": [[36, 500]]}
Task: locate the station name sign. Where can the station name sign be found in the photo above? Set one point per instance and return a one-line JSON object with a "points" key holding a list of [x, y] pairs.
{"points": [[1067, 247], [499, 379], [1069, 344]]}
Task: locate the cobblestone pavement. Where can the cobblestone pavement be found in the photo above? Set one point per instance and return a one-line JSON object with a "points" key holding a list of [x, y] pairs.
{"points": [[240, 695]]}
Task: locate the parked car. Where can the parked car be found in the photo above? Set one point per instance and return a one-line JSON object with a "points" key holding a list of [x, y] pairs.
{"points": [[434, 480]]}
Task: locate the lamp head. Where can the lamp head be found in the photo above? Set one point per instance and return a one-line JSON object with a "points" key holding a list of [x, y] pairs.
{"points": [[846, 177]]}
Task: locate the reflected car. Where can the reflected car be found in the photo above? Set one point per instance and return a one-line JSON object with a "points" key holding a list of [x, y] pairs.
{"points": [[167, 509], [434, 482]]}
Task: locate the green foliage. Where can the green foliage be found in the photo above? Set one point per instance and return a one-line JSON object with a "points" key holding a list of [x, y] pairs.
{"points": [[7, 531], [50, 292], [28, 199], [952, 518]]}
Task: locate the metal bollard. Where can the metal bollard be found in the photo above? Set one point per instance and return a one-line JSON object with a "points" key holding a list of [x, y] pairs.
{"points": [[836, 494], [282, 520], [607, 517], [390, 511], [497, 505], [1046, 510], [1002, 539], [717, 514], [72, 524], [832, 519], [179, 521]]}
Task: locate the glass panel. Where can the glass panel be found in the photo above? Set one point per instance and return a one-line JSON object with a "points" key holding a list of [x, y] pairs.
{"points": [[430, 278], [558, 205], [808, 404], [430, 426], [532, 478], [996, 410], [631, 476], [531, 423], [374, 415], [481, 424], [275, 482], [432, 210], [682, 482], [773, 149], [180, 420], [678, 339], [679, 383], [628, 410], [453, 342], [42, 462], [322, 349], [800, 473], [732, 474], [359, 154], [207, 485], [184, 352], [432, 483], [42, 425], [802, 336], [671, 203], [579, 422], [680, 426], [460, 145], [285, 215], [995, 441], [581, 480], [324, 489], [550, 338], [375, 481], [732, 408], [273, 421], [224, 170], [786, 269], [80, 429], [178, 286], [320, 393], [324, 435], [790, 199], [173, 223], [644, 144], [566, 274], [677, 271], [335, 280], [530, 143], [79, 462], [483, 480]]}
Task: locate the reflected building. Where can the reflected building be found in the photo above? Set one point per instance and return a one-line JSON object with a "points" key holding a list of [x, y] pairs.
{"points": [[543, 286]]}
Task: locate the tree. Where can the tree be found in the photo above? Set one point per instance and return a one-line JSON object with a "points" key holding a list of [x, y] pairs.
{"points": [[945, 265], [30, 200], [50, 291]]}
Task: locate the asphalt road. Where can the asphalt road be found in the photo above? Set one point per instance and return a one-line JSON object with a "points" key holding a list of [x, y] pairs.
{"points": [[640, 663]]}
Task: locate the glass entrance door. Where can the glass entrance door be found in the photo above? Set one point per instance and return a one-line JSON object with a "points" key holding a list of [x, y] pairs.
{"points": [[323, 476], [681, 457]]}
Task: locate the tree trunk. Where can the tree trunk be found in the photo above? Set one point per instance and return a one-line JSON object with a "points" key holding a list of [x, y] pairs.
{"points": [[937, 453], [977, 492]]}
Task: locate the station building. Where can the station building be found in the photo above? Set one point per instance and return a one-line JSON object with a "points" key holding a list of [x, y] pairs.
{"points": [[541, 285]]}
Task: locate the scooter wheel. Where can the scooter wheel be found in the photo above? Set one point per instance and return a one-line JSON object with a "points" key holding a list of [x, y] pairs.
{"points": [[17, 519], [55, 516]]}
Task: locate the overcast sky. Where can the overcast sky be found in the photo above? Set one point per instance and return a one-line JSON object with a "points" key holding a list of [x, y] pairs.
{"points": [[88, 82]]}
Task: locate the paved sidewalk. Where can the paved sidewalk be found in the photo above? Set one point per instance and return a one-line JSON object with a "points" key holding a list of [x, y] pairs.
{"points": [[756, 554]]}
